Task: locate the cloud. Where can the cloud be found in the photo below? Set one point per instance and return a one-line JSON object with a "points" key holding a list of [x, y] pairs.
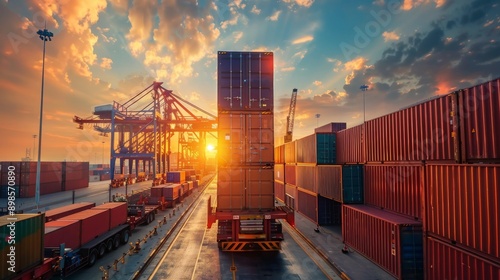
{"points": [[355, 64], [255, 10], [390, 36], [120, 5], [303, 39], [141, 17], [287, 69], [303, 3], [106, 63], [317, 83], [274, 16], [237, 35], [336, 64], [410, 4]]}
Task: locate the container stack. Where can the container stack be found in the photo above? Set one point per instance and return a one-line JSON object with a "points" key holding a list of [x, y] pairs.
{"points": [[308, 179], [246, 131], [54, 177]]}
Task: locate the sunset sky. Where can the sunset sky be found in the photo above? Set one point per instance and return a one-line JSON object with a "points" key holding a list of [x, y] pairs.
{"points": [[405, 51]]}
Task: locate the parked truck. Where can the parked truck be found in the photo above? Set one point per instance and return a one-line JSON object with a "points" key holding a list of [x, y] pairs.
{"points": [[248, 219]]}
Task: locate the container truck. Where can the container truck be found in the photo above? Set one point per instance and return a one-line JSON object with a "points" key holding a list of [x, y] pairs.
{"points": [[248, 219]]}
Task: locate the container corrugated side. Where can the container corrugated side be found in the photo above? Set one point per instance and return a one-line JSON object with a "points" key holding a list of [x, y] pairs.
{"points": [[479, 116], [445, 261], [352, 184], [329, 211], [307, 204], [326, 148], [176, 176], [59, 212], [290, 152], [117, 214], [306, 149], [350, 147], [28, 232], [279, 154], [260, 188], [391, 241], [279, 190], [230, 188], [93, 223], [306, 177], [291, 195], [291, 174], [67, 232], [329, 181], [462, 204], [279, 172], [395, 187]]}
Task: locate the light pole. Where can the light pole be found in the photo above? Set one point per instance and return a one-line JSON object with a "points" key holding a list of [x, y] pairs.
{"points": [[45, 36], [364, 88], [103, 153]]}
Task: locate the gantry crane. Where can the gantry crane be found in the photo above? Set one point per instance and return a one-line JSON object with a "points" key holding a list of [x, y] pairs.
{"points": [[142, 130], [291, 116]]}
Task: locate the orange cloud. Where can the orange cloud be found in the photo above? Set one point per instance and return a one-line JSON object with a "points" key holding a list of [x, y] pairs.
{"points": [[390, 36], [355, 64], [304, 39]]}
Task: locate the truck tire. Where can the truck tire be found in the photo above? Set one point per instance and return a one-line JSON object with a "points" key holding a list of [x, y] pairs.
{"points": [[102, 249], [124, 236], [109, 244], [116, 241], [92, 257]]}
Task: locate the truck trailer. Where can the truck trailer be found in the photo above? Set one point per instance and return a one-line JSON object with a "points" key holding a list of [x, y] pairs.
{"points": [[248, 219]]}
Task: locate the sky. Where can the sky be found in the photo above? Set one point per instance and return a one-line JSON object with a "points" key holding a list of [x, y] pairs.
{"points": [[104, 51]]}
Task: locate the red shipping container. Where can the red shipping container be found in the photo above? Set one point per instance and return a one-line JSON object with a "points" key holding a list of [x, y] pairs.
{"points": [[306, 177], [76, 184], [45, 177], [329, 181], [445, 261], [92, 222], [279, 190], [117, 212], [27, 191], [290, 152], [67, 232], [350, 147], [48, 188], [290, 196], [279, 172], [259, 188], [59, 212], [157, 191], [307, 204], [171, 192], [395, 187], [291, 174], [463, 204], [421, 132], [279, 154], [306, 149], [393, 242], [45, 166], [479, 116]]}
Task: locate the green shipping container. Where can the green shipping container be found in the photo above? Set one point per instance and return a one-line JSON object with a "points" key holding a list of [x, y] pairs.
{"points": [[22, 243], [325, 148], [352, 184]]}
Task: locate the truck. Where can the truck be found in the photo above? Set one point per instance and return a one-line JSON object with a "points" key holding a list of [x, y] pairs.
{"points": [[244, 209]]}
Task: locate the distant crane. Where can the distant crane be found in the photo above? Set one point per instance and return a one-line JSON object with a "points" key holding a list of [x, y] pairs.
{"points": [[291, 116]]}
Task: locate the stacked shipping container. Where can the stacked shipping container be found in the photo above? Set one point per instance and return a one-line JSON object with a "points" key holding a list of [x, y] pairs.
{"points": [[54, 177], [246, 131]]}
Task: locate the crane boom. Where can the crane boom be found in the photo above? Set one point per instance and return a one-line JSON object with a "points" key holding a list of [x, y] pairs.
{"points": [[291, 117]]}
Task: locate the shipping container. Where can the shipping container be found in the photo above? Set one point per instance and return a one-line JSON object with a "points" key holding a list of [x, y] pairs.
{"points": [[395, 187], [290, 152], [279, 172], [92, 223], [422, 132], [291, 174], [171, 192], [350, 148], [59, 212], [5, 192], [306, 177], [246, 139], [479, 116], [245, 81], [445, 261], [329, 211], [290, 196], [352, 184], [331, 128], [329, 181], [176, 177], [307, 204], [23, 233], [260, 188], [318, 148], [393, 242], [117, 212], [279, 154], [462, 204], [60, 231], [70, 185], [279, 191]]}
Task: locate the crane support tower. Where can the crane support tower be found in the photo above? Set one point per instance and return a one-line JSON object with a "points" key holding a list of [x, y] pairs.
{"points": [[248, 219], [291, 117]]}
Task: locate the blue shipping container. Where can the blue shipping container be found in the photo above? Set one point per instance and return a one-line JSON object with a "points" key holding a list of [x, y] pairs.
{"points": [[329, 211], [352, 184], [325, 148]]}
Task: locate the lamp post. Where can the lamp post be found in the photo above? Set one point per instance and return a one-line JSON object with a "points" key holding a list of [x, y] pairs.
{"points": [[364, 88], [45, 36]]}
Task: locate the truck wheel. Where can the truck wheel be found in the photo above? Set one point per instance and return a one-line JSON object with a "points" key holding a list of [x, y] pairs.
{"points": [[92, 257], [116, 241], [102, 249], [109, 244], [125, 236]]}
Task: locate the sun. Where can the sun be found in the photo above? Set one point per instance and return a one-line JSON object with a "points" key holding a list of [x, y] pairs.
{"points": [[210, 147]]}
